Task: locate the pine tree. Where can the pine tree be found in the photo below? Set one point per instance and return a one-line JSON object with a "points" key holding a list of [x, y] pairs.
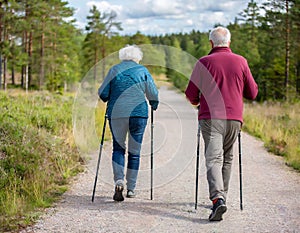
{"points": [[295, 43], [100, 27], [276, 22]]}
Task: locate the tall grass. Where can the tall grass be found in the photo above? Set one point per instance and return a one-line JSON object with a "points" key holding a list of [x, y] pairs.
{"points": [[278, 125], [37, 154]]}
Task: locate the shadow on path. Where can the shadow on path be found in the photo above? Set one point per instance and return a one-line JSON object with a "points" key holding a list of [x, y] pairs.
{"points": [[177, 211]]}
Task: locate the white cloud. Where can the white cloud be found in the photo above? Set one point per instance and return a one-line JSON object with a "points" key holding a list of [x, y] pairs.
{"points": [[105, 6], [145, 26], [165, 16], [189, 22], [166, 7]]}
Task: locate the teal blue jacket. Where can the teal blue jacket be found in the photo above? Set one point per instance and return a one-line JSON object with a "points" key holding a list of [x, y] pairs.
{"points": [[125, 88]]}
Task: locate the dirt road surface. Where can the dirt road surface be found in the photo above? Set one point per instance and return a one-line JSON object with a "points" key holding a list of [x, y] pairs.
{"points": [[270, 189]]}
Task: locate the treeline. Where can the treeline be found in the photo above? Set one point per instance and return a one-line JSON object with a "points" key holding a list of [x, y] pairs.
{"points": [[268, 35], [41, 48]]}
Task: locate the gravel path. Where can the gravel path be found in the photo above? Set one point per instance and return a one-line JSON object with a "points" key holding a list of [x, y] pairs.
{"points": [[270, 189]]}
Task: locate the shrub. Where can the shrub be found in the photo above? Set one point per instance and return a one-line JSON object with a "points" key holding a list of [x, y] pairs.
{"points": [[37, 154]]}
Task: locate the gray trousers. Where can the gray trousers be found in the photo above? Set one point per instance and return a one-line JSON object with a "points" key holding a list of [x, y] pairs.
{"points": [[219, 137]]}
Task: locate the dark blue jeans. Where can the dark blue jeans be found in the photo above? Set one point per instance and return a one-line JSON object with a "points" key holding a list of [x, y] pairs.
{"points": [[134, 127]]}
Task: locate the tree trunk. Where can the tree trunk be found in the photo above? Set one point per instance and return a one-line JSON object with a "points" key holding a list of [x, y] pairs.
{"points": [[65, 86], [42, 65], [26, 78], [30, 58], [297, 74], [287, 49], [4, 73], [25, 45], [13, 82], [0, 71], [1, 28], [103, 56], [22, 76], [95, 62], [5, 38]]}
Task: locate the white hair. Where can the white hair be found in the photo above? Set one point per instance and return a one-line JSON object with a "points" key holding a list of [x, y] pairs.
{"points": [[131, 52], [220, 37]]}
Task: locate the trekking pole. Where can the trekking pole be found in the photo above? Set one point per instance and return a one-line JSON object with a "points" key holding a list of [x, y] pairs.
{"points": [[197, 165], [240, 171], [152, 126], [99, 158]]}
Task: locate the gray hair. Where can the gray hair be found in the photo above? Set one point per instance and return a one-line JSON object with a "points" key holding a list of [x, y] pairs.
{"points": [[131, 52], [220, 36]]}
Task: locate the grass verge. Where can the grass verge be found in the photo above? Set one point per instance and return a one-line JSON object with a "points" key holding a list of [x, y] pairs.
{"points": [[278, 125], [37, 154]]}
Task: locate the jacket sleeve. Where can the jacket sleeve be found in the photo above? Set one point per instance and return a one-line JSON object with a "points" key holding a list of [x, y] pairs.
{"points": [[250, 87], [151, 91], [104, 89], [192, 91]]}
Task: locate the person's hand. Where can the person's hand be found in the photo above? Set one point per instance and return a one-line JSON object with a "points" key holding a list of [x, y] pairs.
{"points": [[154, 104]]}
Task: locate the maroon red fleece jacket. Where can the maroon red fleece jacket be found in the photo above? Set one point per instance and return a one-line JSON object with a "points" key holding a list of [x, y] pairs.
{"points": [[219, 82]]}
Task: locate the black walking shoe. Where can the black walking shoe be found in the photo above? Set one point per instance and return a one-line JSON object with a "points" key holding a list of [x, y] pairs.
{"points": [[219, 208], [118, 196]]}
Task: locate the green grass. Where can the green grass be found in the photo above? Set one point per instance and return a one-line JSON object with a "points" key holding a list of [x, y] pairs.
{"points": [[278, 125], [37, 154]]}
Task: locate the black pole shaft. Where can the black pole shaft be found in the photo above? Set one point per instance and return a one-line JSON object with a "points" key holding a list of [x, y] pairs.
{"points": [[99, 158], [197, 165], [240, 171], [152, 126]]}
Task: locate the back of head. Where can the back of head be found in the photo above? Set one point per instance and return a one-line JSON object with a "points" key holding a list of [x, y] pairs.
{"points": [[131, 52], [220, 37]]}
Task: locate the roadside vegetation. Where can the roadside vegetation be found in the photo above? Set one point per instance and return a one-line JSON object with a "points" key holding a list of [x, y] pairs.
{"points": [[37, 150], [37, 154], [278, 126]]}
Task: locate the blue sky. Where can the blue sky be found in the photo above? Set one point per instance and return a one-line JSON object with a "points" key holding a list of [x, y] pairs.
{"points": [[158, 17]]}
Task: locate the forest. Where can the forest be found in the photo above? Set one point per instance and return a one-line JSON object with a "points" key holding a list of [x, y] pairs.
{"points": [[41, 48], [44, 54]]}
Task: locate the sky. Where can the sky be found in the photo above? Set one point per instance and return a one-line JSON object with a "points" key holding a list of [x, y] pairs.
{"points": [[160, 17]]}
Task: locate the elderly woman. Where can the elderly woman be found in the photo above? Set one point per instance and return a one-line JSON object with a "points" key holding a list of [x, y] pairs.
{"points": [[125, 88]]}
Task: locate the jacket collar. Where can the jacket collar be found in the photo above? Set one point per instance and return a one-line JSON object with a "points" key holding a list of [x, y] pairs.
{"points": [[220, 49]]}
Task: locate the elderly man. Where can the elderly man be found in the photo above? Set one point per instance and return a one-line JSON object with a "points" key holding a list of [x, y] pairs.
{"points": [[218, 84]]}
